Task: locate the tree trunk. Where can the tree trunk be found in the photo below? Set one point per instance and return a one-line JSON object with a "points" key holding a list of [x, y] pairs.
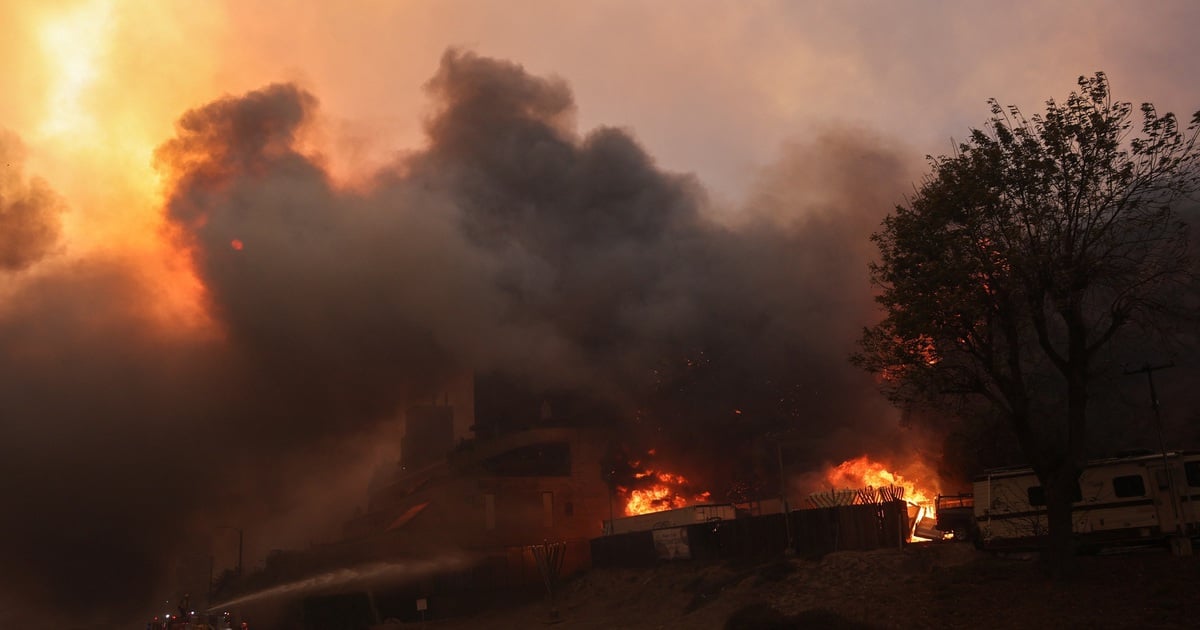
{"points": [[1060, 489]]}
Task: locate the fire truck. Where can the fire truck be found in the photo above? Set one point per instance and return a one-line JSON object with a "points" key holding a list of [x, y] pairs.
{"points": [[187, 619]]}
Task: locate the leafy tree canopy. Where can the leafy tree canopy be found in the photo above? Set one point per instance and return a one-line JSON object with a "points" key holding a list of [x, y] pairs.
{"points": [[1023, 255]]}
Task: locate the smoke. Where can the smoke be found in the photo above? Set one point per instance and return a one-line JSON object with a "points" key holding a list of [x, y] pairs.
{"points": [[512, 244], [29, 224]]}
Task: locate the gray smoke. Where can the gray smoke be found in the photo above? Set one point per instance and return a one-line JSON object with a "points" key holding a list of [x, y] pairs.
{"points": [[513, 244]]}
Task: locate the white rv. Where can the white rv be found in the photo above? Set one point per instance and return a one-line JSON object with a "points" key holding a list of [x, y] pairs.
{"points": [[1128, 499], [679, 517]]}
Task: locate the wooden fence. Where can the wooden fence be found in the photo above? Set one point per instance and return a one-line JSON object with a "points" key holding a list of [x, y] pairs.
{"points": [[810, 533]]}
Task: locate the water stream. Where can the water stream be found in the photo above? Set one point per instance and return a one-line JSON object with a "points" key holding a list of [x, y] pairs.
{"points": [[364, 574]]}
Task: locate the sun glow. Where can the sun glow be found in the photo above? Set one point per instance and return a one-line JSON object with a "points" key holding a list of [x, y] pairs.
{"points": [[71, 46], [92, 113]]}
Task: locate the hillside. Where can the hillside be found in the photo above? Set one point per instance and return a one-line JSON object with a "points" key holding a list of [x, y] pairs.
{"points": [[922, 586]]}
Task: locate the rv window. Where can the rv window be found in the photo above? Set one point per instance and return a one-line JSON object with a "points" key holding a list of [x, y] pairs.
{"points": [[1129, 486], [1037, 496], [1192, 470]]}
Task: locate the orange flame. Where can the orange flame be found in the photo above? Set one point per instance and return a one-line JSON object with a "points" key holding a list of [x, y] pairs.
{"points": [[670, 492], [862, 472]]}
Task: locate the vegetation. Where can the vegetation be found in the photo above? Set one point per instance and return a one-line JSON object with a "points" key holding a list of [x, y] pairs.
{"points": [[1021, 257]]}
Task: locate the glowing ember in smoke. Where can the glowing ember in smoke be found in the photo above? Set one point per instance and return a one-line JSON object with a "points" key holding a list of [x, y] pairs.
{"points": [[665, 491], [863, 472], [236, 244]]}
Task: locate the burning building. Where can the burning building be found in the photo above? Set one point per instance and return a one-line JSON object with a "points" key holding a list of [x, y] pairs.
{"points": [[529, 474]]}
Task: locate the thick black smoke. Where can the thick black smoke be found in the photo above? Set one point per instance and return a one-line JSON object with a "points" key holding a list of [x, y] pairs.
{"points": [[512, 244]]}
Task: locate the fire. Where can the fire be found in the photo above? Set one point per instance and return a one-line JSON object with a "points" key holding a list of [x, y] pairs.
{"points": [[863, 471], [664, 491]]}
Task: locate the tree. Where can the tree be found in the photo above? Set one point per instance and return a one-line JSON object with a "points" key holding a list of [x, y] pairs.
{"points": [[1020, 258]]}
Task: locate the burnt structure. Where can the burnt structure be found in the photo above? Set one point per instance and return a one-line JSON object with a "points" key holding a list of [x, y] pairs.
{"points": [[514, 489], [530, 474], [428, 434]]}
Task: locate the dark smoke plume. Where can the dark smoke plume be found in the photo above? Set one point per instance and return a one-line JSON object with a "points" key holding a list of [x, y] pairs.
{"points": [[513, 244]]}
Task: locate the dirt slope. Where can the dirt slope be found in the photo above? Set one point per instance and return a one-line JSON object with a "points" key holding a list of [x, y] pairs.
{"points": [[922, 586]]}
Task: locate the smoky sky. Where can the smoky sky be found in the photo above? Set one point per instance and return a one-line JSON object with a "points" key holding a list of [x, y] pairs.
{"points": [[512, 243], [29, 209]]}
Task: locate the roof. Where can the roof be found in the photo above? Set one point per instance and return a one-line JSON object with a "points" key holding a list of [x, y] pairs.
{"points": [[407, 516], [1017, 471]]}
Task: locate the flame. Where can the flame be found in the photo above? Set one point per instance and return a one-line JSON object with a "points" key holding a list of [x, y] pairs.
{"points": [[664, 491], [863, 471]]}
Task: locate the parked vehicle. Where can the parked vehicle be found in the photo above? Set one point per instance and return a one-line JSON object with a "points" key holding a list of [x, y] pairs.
{"points": [[956, 516], [1120, 500]]}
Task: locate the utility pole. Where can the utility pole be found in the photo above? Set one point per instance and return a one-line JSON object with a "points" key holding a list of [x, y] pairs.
{"points": [[1181, 536]]}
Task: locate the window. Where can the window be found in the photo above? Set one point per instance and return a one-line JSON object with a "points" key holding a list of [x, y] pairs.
{"points": [[1192, 470], [1129, 486], [551, 459]]}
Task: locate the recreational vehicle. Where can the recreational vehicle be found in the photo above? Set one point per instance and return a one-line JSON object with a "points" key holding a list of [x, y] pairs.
{"points": [[680, 517], [1136, 498]]}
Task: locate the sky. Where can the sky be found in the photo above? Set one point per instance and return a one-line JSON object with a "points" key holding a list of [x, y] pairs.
{"points": [[245, 234]]}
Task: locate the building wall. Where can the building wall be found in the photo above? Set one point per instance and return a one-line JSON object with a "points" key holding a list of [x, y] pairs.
{"points": [[513, 490], [428, 435]]}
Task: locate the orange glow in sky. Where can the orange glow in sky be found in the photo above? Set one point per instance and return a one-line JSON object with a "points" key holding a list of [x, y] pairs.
{"points": [[95, 106], [94, 86]]}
